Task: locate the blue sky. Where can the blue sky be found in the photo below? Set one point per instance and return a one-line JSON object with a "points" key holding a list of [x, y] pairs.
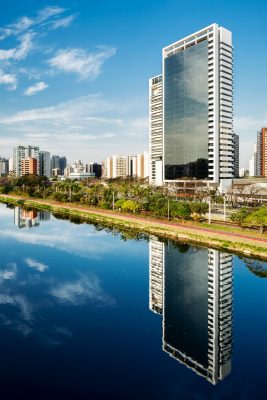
{"points": [[74, 74]]}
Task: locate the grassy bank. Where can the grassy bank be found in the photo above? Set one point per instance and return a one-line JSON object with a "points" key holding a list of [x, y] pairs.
{"points": [[249, 244]]}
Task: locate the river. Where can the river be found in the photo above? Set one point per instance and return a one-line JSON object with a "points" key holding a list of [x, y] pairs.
{"points": [[88, 312]]}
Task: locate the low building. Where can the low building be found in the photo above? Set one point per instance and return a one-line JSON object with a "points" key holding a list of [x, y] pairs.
{"points": [[81, 175]]}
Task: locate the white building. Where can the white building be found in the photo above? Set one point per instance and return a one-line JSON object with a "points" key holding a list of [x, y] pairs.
{"points": [[253, 162], [155, 130], [197, 111], [11, 165], [119, 166], [22, 152], [143, 164], [78, 171], [68, 170]]}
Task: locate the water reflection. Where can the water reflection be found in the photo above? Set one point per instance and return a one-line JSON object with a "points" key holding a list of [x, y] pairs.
{"points": [[29, 218], [192, 288]]}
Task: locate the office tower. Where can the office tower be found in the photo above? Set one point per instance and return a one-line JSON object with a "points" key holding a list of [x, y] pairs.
{"points": [[196, 304], [55, 163], [261, 159], [94, 168], [44, 164], [62, 164], [155, 130], [22, 152], [197, 95], [236, 155], [29, 166]]}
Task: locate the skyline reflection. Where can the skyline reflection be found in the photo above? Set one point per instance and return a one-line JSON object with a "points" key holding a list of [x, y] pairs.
{"points": [[29, 218], [192, 288]]}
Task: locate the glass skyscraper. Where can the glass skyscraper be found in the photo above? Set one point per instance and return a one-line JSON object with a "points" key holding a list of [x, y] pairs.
{"points": [[197, 109]]}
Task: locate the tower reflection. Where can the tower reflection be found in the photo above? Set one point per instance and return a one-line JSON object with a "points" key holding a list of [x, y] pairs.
{"points": [[192, 288], [29, 218]]}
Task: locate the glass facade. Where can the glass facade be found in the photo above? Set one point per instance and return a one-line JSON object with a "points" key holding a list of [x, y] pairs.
{"points": [[186, 301], [186, 113]]}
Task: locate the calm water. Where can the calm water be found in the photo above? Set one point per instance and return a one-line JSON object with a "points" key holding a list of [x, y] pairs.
{"points": [[85, 314]]}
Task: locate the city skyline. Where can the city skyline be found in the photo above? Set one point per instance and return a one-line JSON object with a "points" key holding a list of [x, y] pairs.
{"points": [[74, 81]]}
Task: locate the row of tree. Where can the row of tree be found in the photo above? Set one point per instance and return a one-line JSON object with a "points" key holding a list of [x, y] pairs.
{"points": [[245, 218], [117, 195], [127, 196]]}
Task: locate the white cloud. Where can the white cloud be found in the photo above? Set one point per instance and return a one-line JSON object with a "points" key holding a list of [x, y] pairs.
{"points": [[86, 65], [49, 12], [8, 79], [62, 113], [19, 53], [38, 87], [24, 23], [62, 22], [103, 126], [36, 264]]}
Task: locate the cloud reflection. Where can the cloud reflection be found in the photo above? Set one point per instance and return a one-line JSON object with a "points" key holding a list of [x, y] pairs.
{"points": [[40, 267], [85, 289]]}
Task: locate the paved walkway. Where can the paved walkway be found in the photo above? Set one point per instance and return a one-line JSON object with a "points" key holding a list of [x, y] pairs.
{"points": [[151, 221]]}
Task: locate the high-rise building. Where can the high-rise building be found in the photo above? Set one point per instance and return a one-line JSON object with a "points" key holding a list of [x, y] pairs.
{"points": [[108, 168], [197, 112], [62, 164], [253, 162], [4, 166], [261, 157], [29, 166], [193, 289], [58, 163], [22, 152], [94, 168], [119, 166], [44, 164], [143, 165], [236, 156], [54, 163], [155, 130]]}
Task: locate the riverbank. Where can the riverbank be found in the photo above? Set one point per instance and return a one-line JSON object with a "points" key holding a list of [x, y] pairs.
{"points": [[249, 244]]}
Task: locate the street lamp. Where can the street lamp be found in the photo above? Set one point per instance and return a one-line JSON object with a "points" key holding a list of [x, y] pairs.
{"points": [[224, 208], [209, 203]]}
